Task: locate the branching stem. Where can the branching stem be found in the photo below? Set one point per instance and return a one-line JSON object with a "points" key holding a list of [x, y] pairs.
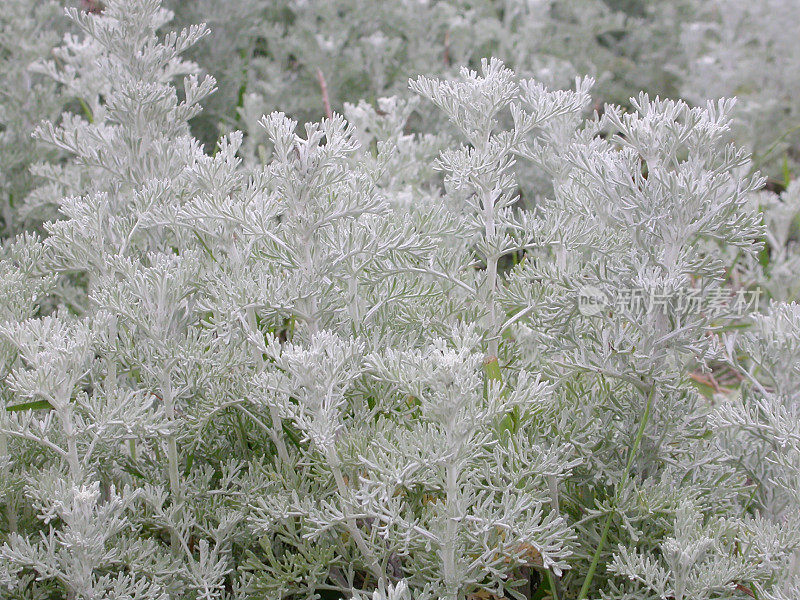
{"points": [[607, 524]]}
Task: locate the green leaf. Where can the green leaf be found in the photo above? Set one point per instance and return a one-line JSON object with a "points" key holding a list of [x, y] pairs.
{"points": [[204, 245], [86, 110], [763, 255], [33, 405], [189, 463], [787, 174], [492, 369]]}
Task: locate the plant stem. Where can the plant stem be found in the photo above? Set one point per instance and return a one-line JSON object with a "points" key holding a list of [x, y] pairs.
{"points": [[172, 455], [350, 523], [326, 103], [277, 425], [311, 302], [448, 550], [552, 580], [64, 411], [490, 284], [607, 524]]}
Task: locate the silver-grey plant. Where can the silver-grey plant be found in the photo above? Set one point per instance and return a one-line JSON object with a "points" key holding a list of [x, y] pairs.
{"points": [[540, 351]]}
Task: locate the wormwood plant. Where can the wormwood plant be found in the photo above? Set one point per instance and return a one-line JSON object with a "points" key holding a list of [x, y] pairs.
{"points": [[349, 361]]}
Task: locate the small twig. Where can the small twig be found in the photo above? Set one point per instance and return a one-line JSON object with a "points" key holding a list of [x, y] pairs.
{"points": [[709, 380], [524, 312], [324, 88], [553, 584], [446, 48], [714, 383], [736, 374]]}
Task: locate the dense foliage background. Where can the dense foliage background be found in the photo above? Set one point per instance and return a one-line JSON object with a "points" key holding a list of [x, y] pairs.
{"points": [[460, 299]]}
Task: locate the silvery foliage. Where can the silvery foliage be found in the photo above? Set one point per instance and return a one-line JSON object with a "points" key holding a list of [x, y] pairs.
{"points": [[774, 270], [651, 54], [270, 55], [83, 387], [695, 50], [29, 31], [760, 422], [623, 216], [749, 49], [340, 365]]}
